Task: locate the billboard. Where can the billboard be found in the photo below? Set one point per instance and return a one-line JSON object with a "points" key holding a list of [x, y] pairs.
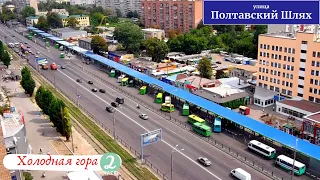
{"points": [[260, 12], [151, 137], [41, 60]]}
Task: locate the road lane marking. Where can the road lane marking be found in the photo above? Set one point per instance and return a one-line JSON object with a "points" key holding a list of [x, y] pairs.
{"points": [[143, 127]]}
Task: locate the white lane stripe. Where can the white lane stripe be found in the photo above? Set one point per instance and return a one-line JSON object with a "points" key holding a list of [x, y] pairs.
{"points": [[142, 127]]}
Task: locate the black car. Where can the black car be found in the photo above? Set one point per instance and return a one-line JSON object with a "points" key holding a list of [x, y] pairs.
{"points": [[79, 80], [120, 100], [90, 82], [110, 109], [115, 104], [63, 67], [28, 46], [94, 89], [102, 90], [25, 42]]}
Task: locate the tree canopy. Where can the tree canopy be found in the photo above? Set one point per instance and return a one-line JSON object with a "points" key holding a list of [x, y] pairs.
{"points": [[130, 36], [27, 83], [27, 11], [6, 59], [42, 24], [204, 67], [7, 14], [99, 45], [72, 22], [157, 49], [54, 20]]}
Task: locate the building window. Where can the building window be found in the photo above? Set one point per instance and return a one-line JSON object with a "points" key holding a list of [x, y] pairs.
{"points": [[302, 69], [300, 86], [313, 63], [284, 91], [314, 54], [285, 49], [272, 88], [304, 42], [302, 60], [312, 72], [277, 89], [303, 51], [280, 49], [300, 77], [279, 57], [293, 51], [292, 59], [268, 47], [311, 81], [289, 93], [310, 90], [272, 48], [318, 54], [285, 58], [311, 98], [300, 95]]}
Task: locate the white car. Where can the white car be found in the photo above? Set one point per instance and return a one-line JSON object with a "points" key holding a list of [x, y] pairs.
{"points": [[143, 116]]}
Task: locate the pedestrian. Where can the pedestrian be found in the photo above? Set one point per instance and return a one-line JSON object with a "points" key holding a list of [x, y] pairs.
{"points": [[263, 110], [272, 108], [40, 150]]}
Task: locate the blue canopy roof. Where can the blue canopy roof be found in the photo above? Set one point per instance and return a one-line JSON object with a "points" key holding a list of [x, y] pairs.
{"points": [[55, 38], [46, 35], [78, 49], [254, 125], [38, 31], [31, 28], [65, 43]]}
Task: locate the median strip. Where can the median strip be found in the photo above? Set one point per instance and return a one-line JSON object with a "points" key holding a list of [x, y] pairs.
{"points": [[129, 161]]}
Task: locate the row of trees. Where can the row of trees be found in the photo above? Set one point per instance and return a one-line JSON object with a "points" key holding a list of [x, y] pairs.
{"points": [[4, 55], [56, 110], [27, 82], [53, 20]]}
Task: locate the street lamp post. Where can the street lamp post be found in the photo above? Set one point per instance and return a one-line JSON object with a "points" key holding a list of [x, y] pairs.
{"points": [[173, 151], [294, 159]]}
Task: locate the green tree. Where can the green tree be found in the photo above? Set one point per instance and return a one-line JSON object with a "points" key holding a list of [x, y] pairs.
{"points": [[204, 67], [157, 49], [7, 14], [200, 24], [39, 96], [42, 24], [99, 45], [130, 36], [46, 99], [29, 86], [6, 59], [221, 74], [27, 11], [96, 18], [27, 83], [27, 176], [66, 124], [54, 20], [215, 42], [55, 114], [176, 43], [72, 22], [1, 50], [193, 44]]}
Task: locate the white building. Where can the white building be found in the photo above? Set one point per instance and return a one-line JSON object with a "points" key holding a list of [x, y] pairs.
{"points": [[83, 2], [290, 28], [63, 12]]}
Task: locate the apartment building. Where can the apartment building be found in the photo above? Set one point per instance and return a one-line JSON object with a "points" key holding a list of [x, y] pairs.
{"points": [[124, 6], [82, 2], [183, 14], [20, 4], [290, 64]]}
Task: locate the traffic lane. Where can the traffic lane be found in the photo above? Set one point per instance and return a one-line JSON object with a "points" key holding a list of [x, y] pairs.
{"points": [[160, 156], [170, 135]]}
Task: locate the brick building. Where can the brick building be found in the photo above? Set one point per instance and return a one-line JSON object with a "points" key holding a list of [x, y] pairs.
{"points": [[168, 14]]}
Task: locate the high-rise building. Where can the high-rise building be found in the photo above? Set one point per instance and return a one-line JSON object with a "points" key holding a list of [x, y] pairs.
{"points": [[82, 2], [290, 64], [20, 4], [169, 14], [124, 6]]}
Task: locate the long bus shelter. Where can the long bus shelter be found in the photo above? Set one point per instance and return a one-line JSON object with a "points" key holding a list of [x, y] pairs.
{"points": [[267, 131]]}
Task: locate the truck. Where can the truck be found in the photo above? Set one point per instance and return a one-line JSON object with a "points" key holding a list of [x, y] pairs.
{"points": [[44, 66], [53, 66]]}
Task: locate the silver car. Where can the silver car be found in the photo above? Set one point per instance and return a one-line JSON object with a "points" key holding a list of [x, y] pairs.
{"points": [[143, 116]]}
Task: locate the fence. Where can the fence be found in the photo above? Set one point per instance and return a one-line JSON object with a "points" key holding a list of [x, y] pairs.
{"points": [[118, 139], [209, 140]]}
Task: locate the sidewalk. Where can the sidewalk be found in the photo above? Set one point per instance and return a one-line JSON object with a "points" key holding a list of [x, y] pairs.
{"points": [[35, 124]]}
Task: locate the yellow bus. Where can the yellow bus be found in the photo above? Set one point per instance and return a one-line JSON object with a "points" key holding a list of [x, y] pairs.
{"points": [[195, 119], [167, 107], [159, 98]]}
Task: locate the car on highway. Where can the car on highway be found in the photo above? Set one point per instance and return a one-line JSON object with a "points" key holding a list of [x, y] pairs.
{"points": [[94, 89], [44, 66], [143, 116], [115, 104], [25, 43], [53, 66], [36, 56], [204, 161], [63, 67], [102, 90], [110, 109], [241, 174], [90, 82], [79, 80], [28, 46], [120, 100]]}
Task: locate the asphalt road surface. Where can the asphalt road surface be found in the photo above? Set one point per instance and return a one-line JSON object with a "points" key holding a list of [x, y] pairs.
{"points": [[129, 126]]}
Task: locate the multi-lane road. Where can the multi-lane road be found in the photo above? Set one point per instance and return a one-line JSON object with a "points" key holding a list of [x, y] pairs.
{"points": [[129, 126]]}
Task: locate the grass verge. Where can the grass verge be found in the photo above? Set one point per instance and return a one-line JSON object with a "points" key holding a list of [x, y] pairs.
{"points": [[128, 161]]}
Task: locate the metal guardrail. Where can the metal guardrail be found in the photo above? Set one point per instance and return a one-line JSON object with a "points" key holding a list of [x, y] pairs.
{"points": [[185, 126]]}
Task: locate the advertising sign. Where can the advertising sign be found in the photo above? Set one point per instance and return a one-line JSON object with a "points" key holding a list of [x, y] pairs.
{"points": [[151, 137], [260, 12], [41, 60]]}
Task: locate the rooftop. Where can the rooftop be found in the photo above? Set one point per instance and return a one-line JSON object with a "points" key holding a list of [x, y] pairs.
{"points": [[84, 175], [66, 29], [315, 117], [196, 81], [302, 104], [86, 39], [152, 30], [234, 82], [78, 16], [11, 124], [262, 92], [246, 67], [33, 17]]}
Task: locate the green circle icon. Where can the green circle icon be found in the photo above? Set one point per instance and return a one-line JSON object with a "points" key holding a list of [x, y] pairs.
{"points": [[110, 162]]}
